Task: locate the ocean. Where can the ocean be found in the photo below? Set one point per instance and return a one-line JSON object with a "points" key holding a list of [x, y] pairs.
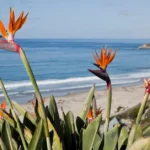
{"points": [[60, 66]]}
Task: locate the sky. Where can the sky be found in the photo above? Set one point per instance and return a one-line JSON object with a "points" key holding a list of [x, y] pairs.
{"points": [[102, 19]]}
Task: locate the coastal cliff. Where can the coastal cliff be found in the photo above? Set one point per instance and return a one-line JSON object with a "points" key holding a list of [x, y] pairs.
{"points": [[144, 46]]}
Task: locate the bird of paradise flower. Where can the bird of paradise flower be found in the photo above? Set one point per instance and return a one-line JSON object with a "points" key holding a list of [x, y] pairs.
{"points": [[90, 116], [102, 61], [3, 107], [8, 43]]}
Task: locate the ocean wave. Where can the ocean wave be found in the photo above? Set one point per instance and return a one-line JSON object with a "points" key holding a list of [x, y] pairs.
{"points": [[83, 86], [139, 75], [129, 48], [120, 78], [10, 65], [62, 89], [32, 91], [46, 82], [98, 85], [12, 93]]}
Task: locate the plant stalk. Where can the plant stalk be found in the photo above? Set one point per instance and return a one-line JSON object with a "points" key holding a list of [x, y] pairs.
{"points": [[38, 95], [141, 110], [109, 88], [94, 107], [14, 114]]}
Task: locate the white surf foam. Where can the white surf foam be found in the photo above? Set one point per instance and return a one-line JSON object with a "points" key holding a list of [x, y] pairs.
{"points": [[84, 86], [12, 93], [78, 80]]}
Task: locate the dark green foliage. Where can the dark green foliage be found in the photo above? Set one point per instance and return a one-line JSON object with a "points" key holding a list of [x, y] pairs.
{"points": [[67, 133]]}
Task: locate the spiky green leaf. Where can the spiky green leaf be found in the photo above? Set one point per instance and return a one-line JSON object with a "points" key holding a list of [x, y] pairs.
{"points": [[90, 134], [70, 134], [87, 104], [122, 137], [24, 112], [7, 136], [97, 142], [111, 138], [94, 107], [54, 115], [141, 144], [3, 147], [8, 118], [146, 131], [57, 143], [34, 144], [135, 134]]}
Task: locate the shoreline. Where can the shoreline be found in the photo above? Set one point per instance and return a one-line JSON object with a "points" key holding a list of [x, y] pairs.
{"points": [[23, 99], [125, 96]]}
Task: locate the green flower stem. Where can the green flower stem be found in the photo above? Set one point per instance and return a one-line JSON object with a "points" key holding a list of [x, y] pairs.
{"points": [[14, 115], [38, 95], [94, 107], [109, 88], [141, 110]]}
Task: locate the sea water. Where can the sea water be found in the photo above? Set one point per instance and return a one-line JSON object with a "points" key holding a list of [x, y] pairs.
{"points": [[61, 66]]}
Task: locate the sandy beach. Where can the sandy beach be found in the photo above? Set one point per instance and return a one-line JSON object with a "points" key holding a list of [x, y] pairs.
{"points": [[125, 96]]}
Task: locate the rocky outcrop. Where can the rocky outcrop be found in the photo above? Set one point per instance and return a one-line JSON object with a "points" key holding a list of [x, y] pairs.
{"points": [[144, 46], [127, 116]]}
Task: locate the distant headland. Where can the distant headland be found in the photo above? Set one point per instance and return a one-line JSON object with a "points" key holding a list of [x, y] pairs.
{"points": [[145, 46]]}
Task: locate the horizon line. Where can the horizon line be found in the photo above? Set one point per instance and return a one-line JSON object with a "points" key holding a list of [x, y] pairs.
{"points": [[87, 38]]}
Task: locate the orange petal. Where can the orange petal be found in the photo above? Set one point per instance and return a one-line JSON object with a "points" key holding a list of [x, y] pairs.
{"points": [[17, 26], [3, 30], [103, 66], [99, 111], [23, 21], [110, 51], [101, 56], [11, 21], [112, 57], [108, 56], [3, 105], [12, 16], [25, 18], [105, 56], [100, 63], [105, 50], [98, 57], [90, 115], [1, 115], [18, 23], [21, 16], [96, 60]]}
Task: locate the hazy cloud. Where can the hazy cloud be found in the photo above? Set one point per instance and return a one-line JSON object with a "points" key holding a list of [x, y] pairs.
{"points": [[111, 3], [127, 13]]}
